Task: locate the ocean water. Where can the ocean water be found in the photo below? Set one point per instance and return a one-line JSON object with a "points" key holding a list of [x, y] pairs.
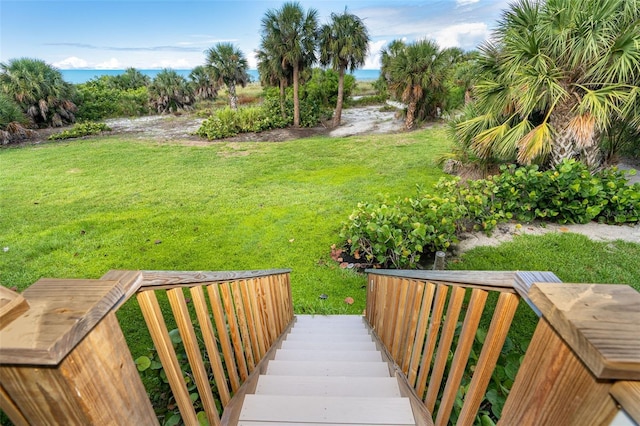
{"points": [[77, 76]]}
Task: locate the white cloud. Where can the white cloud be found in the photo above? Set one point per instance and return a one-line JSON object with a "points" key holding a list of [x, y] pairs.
{"points": [[111, 64], [71, 62], [465, 2], [462, 35], [176, 64], [373, 58]]}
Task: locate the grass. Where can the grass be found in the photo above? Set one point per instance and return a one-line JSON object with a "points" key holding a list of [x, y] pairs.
{"points": [[80, 208]]}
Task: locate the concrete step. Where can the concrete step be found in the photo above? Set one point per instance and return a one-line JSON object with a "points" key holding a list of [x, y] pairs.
{"points": [[331, 337], [328, 386], [328, 368], [311, 409], [330, 346], [327, 355]]}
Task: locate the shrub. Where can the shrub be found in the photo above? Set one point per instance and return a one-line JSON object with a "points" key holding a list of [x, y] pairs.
{"points": [[568, 194], [101, 98], [396, 233], [81, 129]]}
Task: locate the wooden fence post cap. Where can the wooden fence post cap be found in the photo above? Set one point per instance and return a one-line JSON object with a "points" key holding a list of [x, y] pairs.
{"points": [[599, 322], [12, 305], [60, 314]]}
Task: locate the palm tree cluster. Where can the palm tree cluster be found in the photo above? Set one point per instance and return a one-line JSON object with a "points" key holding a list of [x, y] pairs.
{"points": [[170, 92], [416, 74], [560, 77], [290, 39], [39, 90]]}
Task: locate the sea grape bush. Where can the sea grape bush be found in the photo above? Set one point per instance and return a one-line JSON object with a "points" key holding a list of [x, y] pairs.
{"points": [[396, 233], [567, 194], [81, 129]]}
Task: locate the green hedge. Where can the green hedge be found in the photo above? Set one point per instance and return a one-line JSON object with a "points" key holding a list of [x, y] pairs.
{"points": [[396, 233]]}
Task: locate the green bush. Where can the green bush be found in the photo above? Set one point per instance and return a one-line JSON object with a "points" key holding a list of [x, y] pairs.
{"points": [[102, 98], [81, 129], [10, 112], [567, 194], [396, 233]]}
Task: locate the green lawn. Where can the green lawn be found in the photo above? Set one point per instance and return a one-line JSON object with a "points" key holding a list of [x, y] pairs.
{"points": [[80, 208], [77, 209]]}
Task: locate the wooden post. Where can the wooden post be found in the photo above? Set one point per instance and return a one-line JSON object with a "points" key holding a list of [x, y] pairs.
{"points": [[587, 339], [64, 360]]}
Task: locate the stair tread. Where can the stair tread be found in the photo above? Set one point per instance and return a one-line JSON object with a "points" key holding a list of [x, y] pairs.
{"points": [[328, 386], [327, 355], [328, 368], [374, 411], [331, 337], [319, 345]]}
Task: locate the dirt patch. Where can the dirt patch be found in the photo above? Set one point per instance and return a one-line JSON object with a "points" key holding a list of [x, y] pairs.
{"points": [[181, 128], [507, 231]]}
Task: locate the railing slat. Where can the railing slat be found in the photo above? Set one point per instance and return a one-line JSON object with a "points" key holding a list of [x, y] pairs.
{"points": [[221, 326], [160, 335], [493, 343], [415, 298], [402, 312], [444, 345], [208, 335], [242, 324], [421, 332], [391, 313], [269, 310], [432, 337], [190, 341], [461, 355], [234, 330], [257, 317], [253, 337]]}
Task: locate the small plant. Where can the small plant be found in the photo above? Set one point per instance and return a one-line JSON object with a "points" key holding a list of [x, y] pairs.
{"points": [[161, 396], [81, 129]]}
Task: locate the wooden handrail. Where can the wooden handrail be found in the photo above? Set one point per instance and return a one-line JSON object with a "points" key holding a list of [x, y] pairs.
{"points": [[250, 309], [417, 314], [587, 331]]}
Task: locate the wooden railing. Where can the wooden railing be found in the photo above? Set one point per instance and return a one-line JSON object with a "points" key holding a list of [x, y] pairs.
{"points": [[249, 310], [230, 319], [416, 315]]}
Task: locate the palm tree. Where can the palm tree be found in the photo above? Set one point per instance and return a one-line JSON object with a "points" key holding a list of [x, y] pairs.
{"points": [[39, 90], [228, 66], [170, 92], [272, 73], [416, 75], [203, 83], [344, 44], [290, 34], [131, 79], [560, 74]]}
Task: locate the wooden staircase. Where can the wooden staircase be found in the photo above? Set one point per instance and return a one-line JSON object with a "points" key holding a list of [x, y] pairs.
{"points": [[328, 370]]}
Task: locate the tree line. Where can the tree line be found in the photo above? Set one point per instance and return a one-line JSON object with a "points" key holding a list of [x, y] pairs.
{"points": [[559, 79]]}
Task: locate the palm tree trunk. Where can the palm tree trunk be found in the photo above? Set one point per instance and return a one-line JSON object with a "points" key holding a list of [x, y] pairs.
{"points": [[411, 115], [337, 115], [283, 97], [467, 96], [233, 97], [296, 100], [563, 144]]}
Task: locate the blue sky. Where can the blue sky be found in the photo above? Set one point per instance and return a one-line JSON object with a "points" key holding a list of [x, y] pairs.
{"points": [[116, 34]]}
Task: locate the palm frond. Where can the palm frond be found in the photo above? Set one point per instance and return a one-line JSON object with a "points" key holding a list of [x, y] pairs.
{"points": [[535, 144]]}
